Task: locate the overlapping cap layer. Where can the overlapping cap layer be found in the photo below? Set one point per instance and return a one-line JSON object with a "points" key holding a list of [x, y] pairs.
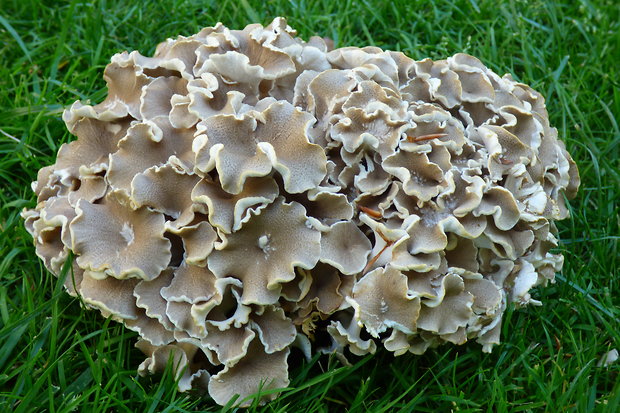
{"points": [[243, 192]]}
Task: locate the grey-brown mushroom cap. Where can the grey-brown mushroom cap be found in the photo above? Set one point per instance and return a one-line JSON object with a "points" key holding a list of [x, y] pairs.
{"points": [[227, 212], [257, 370], [263, 254], [110, 295], [250, 146], [381, 301], [345, 247], [113, 239], [454, 310]]}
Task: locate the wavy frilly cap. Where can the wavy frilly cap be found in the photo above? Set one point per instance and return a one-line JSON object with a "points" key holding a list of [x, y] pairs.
{"points": [[243, 192]]}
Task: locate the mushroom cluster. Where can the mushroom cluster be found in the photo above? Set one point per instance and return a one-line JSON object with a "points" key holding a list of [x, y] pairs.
{"points": [[243, 192]]}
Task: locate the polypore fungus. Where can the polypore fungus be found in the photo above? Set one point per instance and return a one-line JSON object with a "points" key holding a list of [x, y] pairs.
{"points": [[244, 192]]}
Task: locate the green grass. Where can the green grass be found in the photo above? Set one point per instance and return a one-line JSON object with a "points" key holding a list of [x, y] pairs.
{"points": [[54, 356]]}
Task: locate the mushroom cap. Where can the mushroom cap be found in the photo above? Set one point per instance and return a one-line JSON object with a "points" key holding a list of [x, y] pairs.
{"points": [[243, 192], [264, 253], [117, 241]]}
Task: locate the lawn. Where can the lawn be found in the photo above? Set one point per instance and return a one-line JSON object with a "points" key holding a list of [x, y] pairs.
{"points": [[55, 356]]}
